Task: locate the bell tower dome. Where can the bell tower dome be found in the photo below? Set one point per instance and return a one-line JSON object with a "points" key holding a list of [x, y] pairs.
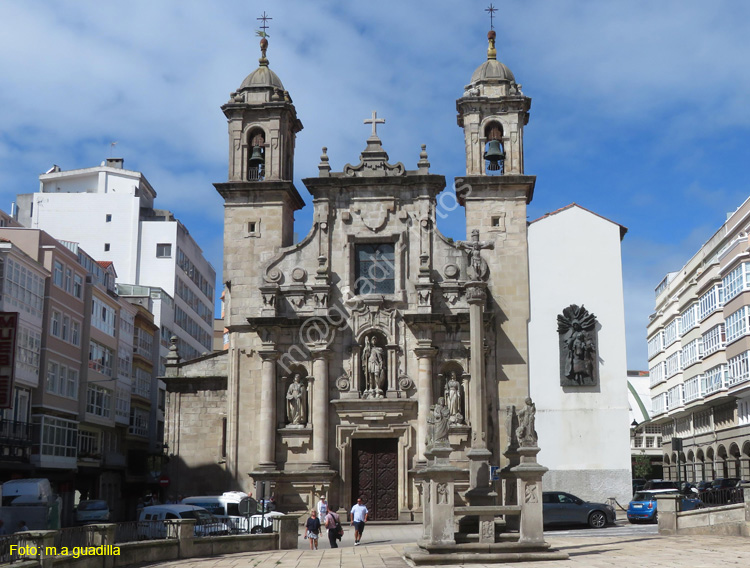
{"points": [[263, 125], [493, 112]]}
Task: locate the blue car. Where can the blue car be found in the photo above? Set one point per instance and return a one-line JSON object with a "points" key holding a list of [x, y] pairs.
{"points": [[643, 505]]}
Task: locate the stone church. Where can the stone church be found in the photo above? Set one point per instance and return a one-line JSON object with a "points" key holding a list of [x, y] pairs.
{"points": [[344, 345]]}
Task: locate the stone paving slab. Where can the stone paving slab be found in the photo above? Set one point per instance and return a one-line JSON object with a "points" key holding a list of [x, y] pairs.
{"points": [[651, 551]]}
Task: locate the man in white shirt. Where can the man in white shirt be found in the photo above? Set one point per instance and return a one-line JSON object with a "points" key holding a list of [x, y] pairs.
{"points": [[359, 518], [322, 508]]}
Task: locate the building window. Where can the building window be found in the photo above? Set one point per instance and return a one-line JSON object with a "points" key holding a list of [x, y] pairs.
{"points": [[692, 352], [163, 250], [689, 318], [739, 368], [75, 334], [252, 227], [655, 344], [711, 301], [108, 218], [88, 444], [714, 340], [737, 324], [57, 274], [374, 268], [59, 436], [138, 421], [673, 364], [98, 401], [55, 324], [106, 247], [77, 286], [100, 358], [714, 379], [672, 332]]}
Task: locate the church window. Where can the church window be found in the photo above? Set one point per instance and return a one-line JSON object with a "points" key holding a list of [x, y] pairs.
{"points": [[374, 268], [252, 228], [108, 217], [496, 221], [106, 247]]}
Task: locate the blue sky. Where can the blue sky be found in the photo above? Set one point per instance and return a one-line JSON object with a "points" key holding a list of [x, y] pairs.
{"points": [[639, 108]]}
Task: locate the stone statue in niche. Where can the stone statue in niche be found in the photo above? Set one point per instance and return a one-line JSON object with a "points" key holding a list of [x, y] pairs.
{"points": [[576, 328], [526, 431], [478, 269], [453, 398], [373, 367], [296, 402], [437, 425]]}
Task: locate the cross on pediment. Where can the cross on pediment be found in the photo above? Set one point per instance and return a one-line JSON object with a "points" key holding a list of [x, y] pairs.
{"points": [[374, 121]]}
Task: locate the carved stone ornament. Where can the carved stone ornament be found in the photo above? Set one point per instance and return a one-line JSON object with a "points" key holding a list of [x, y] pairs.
{"points": [[475, 294], [576, 328], [374, 367], [451, 271], [442, 493], [274, 275], [526, 431], [405, 382], [299, 274], [343, 382], [375, 215], [531, 494], [438, 423]]}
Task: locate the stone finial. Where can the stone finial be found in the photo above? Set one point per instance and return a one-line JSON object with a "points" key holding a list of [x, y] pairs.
{"points": [[423, 164], [276, 95], [324, 168], [491, 51], [173, 357]]}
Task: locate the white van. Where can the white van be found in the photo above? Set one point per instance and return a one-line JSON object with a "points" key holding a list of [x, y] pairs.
{"points": [[227, 508], [151, 521], [31, 500]]}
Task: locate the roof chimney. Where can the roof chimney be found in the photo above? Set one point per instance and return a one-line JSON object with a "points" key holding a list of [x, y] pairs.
{"points": [[115, 163]]}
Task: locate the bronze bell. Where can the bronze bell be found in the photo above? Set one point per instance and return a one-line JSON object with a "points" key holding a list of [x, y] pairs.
{"points": [[494, 155], [256, 159]]}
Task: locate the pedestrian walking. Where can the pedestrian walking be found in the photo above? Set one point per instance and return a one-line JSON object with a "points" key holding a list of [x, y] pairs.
{"points": [[359, 518], [23, 527], [322, 508], [312, 527], [333, 524]]}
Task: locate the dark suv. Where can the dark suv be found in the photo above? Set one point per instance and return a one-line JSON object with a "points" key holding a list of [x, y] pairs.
{"points": [[723, 490], [660, 484]]}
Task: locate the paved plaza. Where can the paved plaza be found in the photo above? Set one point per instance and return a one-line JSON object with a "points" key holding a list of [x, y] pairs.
{"points": [[383, 545]]}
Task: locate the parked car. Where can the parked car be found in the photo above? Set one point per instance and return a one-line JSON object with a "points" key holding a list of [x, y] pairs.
{"points": [[559, 508], [722, 491], [653, 484], [226, 507], [92, 511], [151, 521], [643, 506], [638, 484], [702, 485]]}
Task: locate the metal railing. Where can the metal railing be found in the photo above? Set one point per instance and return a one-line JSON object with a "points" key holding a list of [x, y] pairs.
{"points": [[73, 537], [718, 497], [133, 531], [6, 542]]}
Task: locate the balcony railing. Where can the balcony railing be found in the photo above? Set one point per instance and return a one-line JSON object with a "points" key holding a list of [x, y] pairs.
{"points": [[13, 432]]}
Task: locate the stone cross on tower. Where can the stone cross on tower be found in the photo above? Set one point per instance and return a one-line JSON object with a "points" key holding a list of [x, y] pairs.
{"points": [[374, 121]]}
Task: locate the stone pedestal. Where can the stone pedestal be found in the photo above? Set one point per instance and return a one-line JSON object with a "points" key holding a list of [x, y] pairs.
{"points": [[529, 487], [438, 485]]}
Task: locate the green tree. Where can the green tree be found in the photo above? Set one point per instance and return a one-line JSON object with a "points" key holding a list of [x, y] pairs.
{"points": [[641, 467]]}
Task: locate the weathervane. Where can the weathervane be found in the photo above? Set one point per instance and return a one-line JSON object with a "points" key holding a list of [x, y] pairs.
{"points": [[264, 18], [491, 11]]}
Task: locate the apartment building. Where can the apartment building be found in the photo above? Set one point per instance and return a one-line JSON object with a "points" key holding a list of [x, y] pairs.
{"points": [[699, 353], [85, 389], [110, 212]]}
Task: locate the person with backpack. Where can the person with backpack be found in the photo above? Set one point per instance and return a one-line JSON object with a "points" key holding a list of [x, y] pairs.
{"points": [[333, 524]]}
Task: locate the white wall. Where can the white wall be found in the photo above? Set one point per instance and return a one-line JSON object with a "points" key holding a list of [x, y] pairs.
{"points": [[574, 258], [82, 218]]}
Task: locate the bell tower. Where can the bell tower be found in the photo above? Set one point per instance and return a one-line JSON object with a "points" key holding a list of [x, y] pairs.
{"points": [[495, 192], [493, 112], [263, 125], [259, 197]]}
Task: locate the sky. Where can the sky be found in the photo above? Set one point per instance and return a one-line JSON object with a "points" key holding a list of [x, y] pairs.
{"points": [[639, 108]]}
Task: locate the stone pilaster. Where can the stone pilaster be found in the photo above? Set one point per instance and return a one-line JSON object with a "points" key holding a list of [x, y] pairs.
{"points": [[319, 410], [529, 487], [425, 355], [268, 409]]}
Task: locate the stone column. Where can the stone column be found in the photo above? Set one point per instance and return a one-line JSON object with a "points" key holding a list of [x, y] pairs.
{"points": [[267, 421], [480, 489], [319, 411], [356, 369], [424, 353]]}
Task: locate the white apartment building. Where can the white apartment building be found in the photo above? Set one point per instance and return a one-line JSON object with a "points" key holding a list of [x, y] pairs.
{"points": [[699, 353], [110, 212]]}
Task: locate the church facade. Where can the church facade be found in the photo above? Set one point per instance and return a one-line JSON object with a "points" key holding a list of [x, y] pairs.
{"points": [[344, 345]]}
